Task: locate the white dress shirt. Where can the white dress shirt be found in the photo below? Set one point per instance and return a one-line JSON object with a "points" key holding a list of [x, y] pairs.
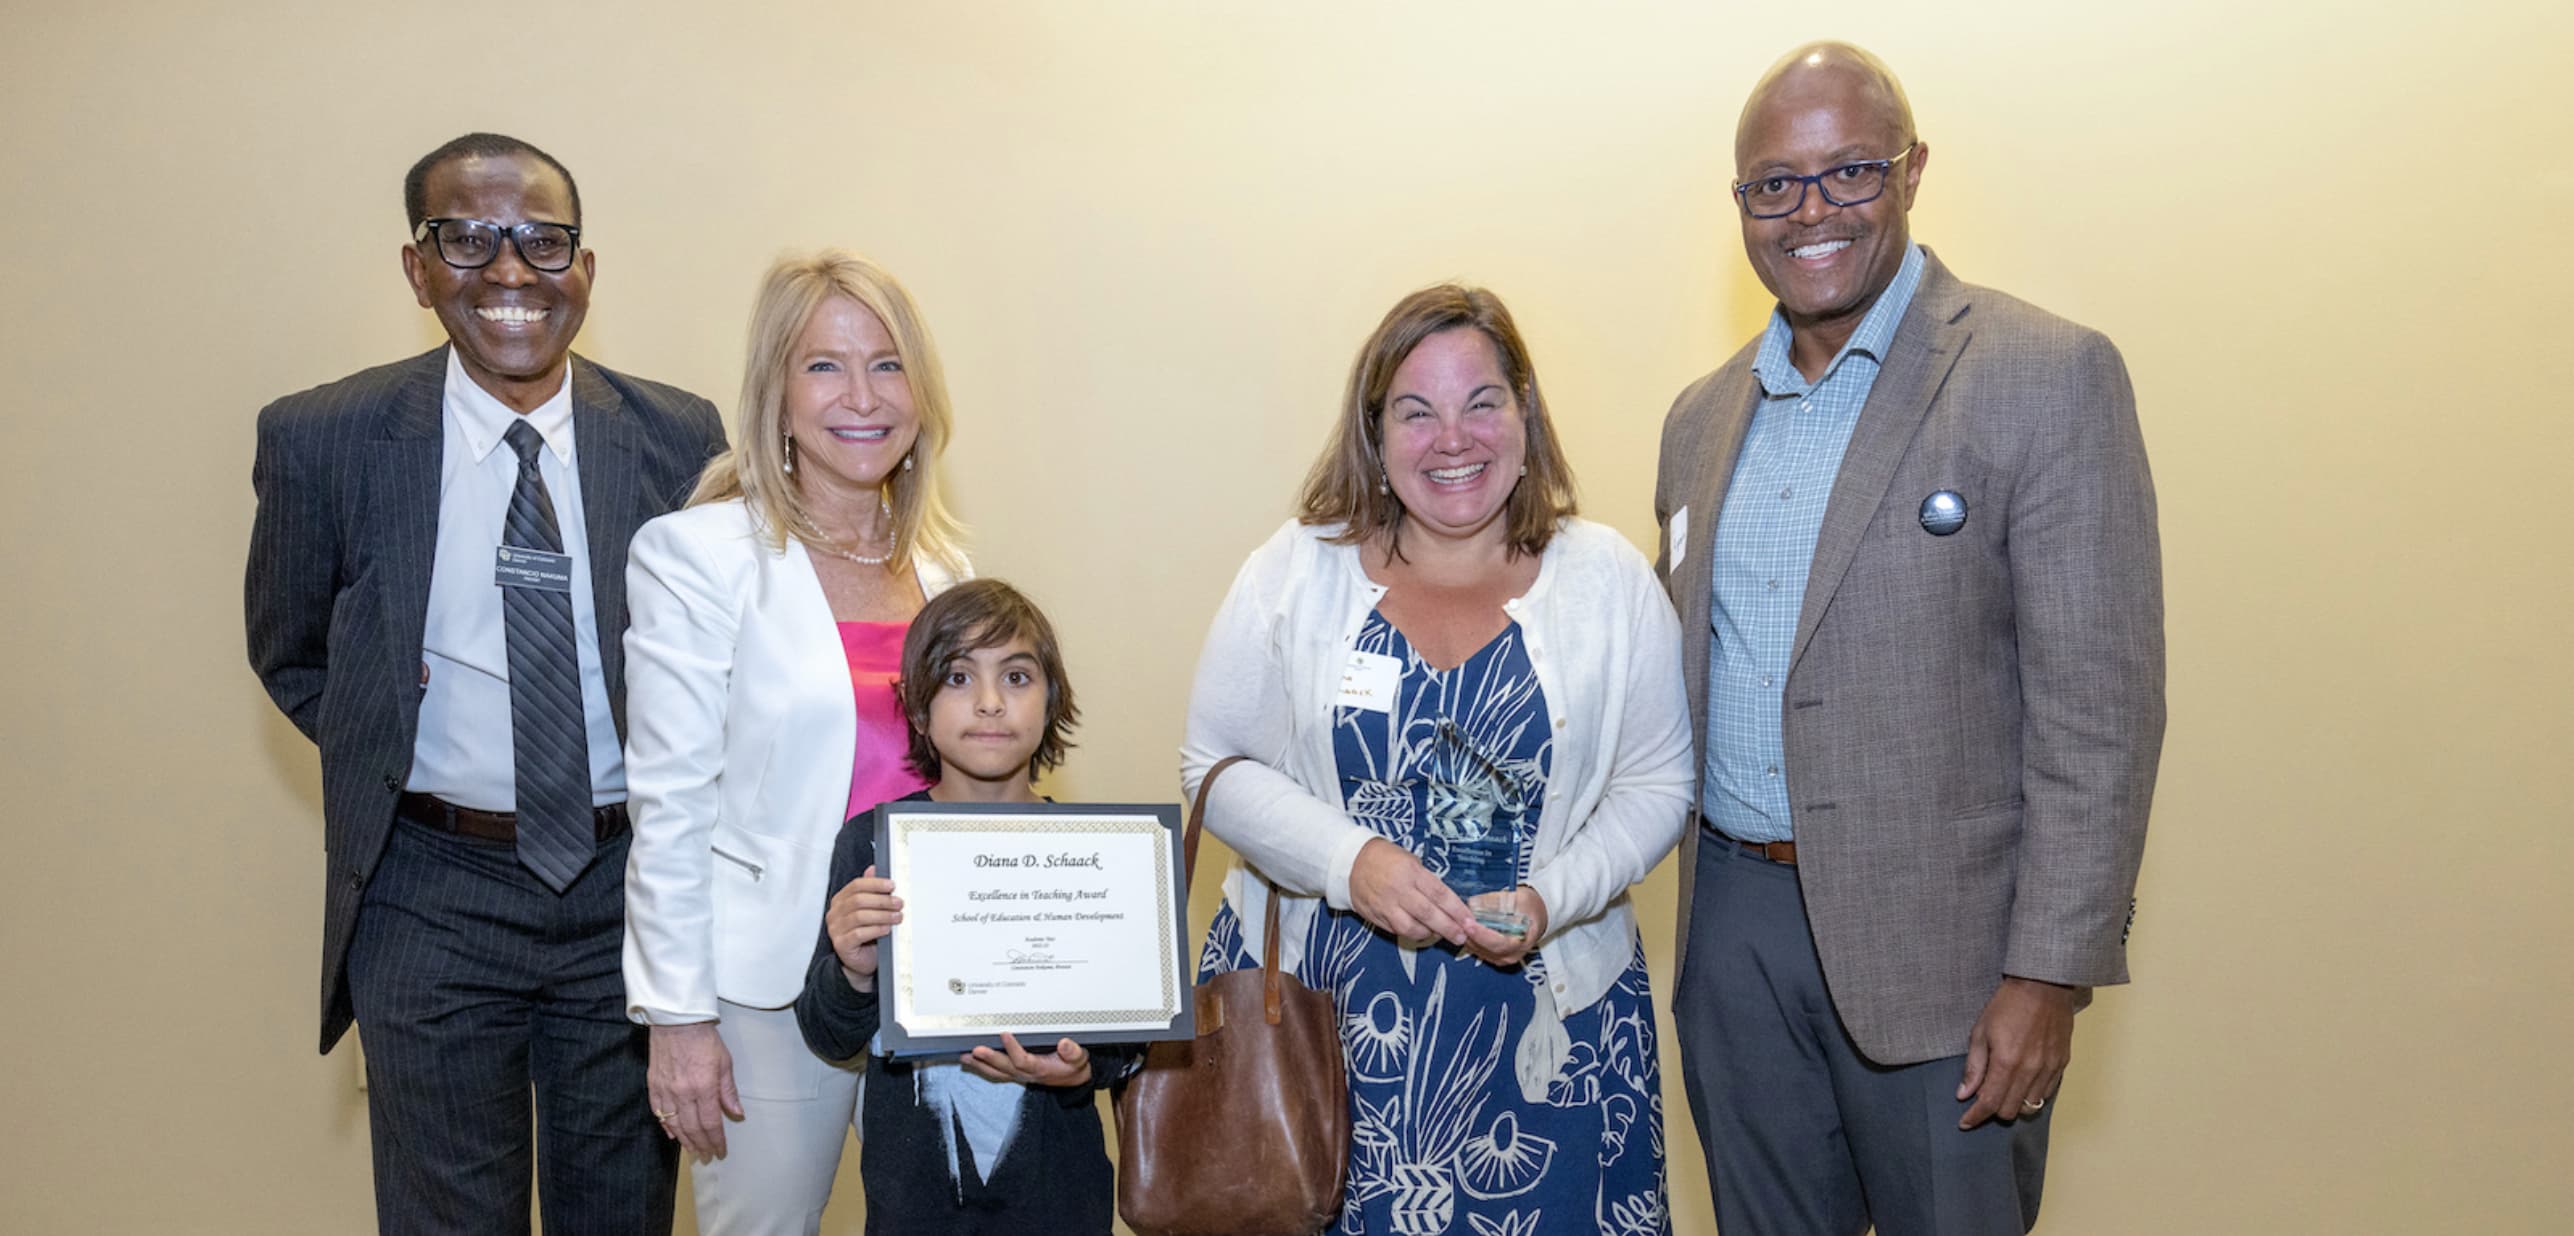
{"points": [[464, 752]]}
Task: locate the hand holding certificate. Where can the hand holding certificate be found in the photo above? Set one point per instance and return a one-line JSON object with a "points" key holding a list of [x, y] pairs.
{"points": [[1041, 920], [1067, 1065], [859, 915]]}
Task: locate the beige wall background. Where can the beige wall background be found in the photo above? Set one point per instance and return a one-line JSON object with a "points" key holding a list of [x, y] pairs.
{"points": [[2331, 239]]}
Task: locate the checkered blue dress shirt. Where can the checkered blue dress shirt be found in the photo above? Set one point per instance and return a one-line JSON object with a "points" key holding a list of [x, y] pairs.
{"points": [[1764, 549]]}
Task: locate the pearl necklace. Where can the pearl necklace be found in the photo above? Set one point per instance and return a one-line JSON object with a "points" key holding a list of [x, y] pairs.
{"points": [[893, 538], [859, 558]]}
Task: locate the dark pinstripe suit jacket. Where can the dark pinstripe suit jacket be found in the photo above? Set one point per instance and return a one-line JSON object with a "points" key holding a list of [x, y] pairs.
{"points": [[337, 592], [1972, 721]]}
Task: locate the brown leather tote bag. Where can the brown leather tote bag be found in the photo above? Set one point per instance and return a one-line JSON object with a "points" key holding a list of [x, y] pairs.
{"points": [[1244, 1130]]}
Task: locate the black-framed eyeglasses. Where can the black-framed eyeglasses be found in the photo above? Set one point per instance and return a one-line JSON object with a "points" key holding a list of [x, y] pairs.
{"points": [[1851, 184], [471, 244]]}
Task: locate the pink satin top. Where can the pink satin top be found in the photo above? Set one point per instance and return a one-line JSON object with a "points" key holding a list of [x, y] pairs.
{"points": [[882, 768]]}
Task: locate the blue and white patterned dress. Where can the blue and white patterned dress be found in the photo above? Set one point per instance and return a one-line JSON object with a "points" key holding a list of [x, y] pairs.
{"points": [[1446, 1133]]}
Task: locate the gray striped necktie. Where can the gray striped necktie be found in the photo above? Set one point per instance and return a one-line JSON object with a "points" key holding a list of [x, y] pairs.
{"points": [[552, 746]]}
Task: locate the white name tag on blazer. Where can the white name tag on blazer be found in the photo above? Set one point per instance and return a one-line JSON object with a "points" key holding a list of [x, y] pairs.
{"points": [[518, 567], [1370, 680], [1679, 539]]}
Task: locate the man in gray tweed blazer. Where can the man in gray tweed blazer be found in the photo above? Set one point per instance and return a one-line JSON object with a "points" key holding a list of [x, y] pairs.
{"points": [[396, 508], [1910, 532]]}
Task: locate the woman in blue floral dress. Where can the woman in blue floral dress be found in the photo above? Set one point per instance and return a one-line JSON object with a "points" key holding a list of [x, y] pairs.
{"points": [[1468, 735]]}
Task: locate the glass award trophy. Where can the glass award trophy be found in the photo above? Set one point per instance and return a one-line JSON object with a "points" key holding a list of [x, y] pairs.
{"points": [[1476, 806]]}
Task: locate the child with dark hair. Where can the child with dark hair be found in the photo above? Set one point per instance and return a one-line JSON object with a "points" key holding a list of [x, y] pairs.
{"points": [[997, 1141]]}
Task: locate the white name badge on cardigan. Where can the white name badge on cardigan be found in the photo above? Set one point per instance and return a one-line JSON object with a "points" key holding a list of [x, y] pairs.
{"points": [[1679, 539], [516, 566], [1370, 681]]}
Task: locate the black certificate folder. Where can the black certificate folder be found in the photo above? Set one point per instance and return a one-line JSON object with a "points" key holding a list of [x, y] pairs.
{"points": [[1041, 920]]}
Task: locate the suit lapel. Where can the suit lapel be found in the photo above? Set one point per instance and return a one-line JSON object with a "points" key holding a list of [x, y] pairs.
{"points": [[405, 486], [1725, 417], [604, 453], [1925, 347]]}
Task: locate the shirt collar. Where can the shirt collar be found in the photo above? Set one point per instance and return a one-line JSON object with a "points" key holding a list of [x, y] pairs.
{"points": [[482, 419], [1876, 333]]}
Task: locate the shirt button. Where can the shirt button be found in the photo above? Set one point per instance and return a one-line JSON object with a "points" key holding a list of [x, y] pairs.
{"points": [[1772, 585], [1784, 493], [1767, 680], [1773, 770]]}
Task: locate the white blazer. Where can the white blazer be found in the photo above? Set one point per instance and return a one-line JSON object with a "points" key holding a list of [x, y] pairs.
{"points": [[740, 729]]}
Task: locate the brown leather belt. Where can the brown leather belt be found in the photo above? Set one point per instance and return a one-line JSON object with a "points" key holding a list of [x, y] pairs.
{"points": [[1780, 852], [430, 811]]}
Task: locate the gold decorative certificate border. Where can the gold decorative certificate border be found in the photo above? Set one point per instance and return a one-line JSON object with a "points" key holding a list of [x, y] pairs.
{"points": [[1072, 823]]}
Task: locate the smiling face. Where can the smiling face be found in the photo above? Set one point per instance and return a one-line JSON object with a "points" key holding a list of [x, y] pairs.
{"points": [[511, 324], [848, 402], [1827, 264], [987, 717], [1453, 436]]}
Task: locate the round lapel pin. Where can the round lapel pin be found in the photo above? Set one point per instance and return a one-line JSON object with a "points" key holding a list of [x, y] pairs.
{"points": [[1943, 513]]}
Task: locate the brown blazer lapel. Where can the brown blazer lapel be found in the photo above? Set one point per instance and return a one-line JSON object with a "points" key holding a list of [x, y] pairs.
{"points": [[1926, 346], [1722, 416], [1700, 444]]}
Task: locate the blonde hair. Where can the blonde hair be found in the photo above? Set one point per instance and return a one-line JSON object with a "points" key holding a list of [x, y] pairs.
{"points": [[1344, 485], [755, 470]]}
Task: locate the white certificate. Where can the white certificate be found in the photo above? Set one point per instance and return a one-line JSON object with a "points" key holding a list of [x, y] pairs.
{"points": [[1044, 920]]}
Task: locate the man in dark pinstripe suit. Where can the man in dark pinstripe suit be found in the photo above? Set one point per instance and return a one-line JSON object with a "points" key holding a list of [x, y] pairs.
{"points": [[482, 970]]}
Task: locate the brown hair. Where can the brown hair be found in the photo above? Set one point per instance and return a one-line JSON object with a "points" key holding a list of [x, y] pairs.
{"points": [[1343, 486], [970, 617]]}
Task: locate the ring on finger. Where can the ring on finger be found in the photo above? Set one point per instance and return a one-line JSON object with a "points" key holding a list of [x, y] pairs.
{"points": [[2033, 1105], [664, 1117]]}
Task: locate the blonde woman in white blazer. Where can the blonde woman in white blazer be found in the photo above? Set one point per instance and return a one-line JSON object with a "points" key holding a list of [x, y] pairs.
{"points": [[767, 625]]}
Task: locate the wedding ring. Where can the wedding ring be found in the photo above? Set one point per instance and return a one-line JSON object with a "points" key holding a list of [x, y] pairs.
{"points": [[2033, 1105], [664, 1116]]}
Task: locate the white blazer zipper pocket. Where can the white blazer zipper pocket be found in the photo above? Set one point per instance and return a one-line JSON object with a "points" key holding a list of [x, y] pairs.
{"points": [[754, 869]]}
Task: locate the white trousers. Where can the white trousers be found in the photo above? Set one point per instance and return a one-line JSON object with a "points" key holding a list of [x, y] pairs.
{"points": [[780, 1157]]}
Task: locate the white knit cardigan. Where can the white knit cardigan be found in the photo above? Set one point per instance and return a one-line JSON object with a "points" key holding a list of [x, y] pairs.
{"points": [[1606, 647]]}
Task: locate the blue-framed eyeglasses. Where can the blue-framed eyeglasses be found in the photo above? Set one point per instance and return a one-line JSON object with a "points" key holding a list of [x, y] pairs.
{"points": [[472, 244], [1851, 184]]}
